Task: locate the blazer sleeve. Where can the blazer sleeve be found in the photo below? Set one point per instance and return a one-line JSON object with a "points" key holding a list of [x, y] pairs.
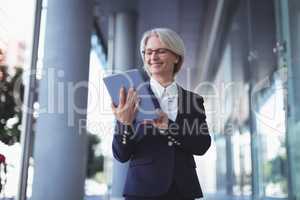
{"points": [[192, 134], [123, 144]]}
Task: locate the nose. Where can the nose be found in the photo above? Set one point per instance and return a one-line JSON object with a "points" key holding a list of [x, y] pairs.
{"points": [[154, 55]]}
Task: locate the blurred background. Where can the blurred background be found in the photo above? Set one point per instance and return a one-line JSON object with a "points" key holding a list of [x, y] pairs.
{"points": [[56, 124]]}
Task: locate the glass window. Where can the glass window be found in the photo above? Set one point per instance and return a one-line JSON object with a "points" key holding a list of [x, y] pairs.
{"points": [[99, 125], [242, 162], [221, 166], [270, 120], [16, 29]]}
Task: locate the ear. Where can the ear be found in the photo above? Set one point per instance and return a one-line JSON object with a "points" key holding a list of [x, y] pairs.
{"points": [[176, 61], [178, 58]]}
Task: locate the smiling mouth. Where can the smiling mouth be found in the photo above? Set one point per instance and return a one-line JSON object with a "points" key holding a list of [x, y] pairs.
{"points": [[156, 65]]}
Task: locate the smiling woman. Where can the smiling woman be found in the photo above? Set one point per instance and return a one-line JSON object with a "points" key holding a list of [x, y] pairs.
{"points": [[162, 166]]}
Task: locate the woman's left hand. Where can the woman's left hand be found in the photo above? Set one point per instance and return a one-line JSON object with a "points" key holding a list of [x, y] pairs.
{"points": [[161, 122]]}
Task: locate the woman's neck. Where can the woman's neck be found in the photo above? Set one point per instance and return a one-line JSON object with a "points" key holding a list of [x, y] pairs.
{"points": [[164, 81]]}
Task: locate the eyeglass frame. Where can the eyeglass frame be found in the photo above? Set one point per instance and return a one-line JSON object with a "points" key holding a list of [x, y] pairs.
{"points": [[156, 51]]}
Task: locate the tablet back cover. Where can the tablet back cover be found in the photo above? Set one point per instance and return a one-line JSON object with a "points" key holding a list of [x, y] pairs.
{"points": [[136, 79]]}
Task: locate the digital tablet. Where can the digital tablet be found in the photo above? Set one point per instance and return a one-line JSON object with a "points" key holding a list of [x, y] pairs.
{"points": [[134, 78]]}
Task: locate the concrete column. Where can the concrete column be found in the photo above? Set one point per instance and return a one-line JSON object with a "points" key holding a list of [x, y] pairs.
{"points": [[262, 39], [291, 14], [229, 164], [60, 142], [295, 61], [262, 63], [125, 41], [124, 58]]}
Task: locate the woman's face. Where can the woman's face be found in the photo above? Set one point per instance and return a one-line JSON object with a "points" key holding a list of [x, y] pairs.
{"points": [[160, 60]]}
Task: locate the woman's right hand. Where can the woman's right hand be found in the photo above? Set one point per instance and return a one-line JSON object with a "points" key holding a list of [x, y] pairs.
{"points": [[125, 112]]}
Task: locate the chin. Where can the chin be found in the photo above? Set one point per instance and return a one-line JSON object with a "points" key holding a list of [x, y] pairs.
{"points": [[156, 72]]}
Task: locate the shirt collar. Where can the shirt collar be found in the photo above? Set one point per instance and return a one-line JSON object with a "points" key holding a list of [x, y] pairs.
{"points": [[158, 89]]}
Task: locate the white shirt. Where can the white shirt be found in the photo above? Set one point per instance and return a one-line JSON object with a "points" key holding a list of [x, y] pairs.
{"points": [[167, 97]]}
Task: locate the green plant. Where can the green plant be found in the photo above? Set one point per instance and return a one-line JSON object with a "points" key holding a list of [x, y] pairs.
{"points": [[10, 112], [95, 162]]}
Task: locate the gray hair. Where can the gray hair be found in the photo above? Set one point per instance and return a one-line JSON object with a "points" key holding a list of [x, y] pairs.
{"points": [[169, 38]]}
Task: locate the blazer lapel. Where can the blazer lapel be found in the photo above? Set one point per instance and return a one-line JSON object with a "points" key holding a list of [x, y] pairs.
{"points": [[155, 101], [181, 103]]}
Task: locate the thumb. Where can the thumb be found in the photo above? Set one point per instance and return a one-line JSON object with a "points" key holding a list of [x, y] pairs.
{"points": [[160, 113], [113, 107]]}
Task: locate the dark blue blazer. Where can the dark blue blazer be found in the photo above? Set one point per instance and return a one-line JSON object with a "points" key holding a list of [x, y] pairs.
{"points": [[158, 159]]}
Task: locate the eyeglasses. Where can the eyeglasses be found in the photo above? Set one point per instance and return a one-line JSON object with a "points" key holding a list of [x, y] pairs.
{"points": [[159, 51]]}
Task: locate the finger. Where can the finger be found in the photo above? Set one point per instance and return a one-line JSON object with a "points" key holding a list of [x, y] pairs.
{"points": [[155, 122], [133, 99], [122, 99], [137, 103], [163, 115], [129, 95], [147, 121], [160, 113], [136, 107], [113, 107]]}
